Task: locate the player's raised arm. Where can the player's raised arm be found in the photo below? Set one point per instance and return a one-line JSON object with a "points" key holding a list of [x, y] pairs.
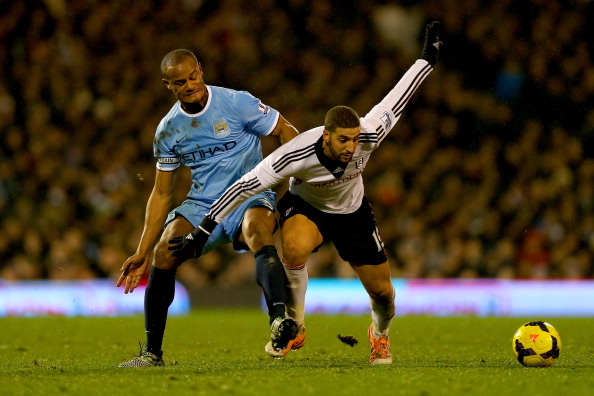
{"points": [[385, 114]]}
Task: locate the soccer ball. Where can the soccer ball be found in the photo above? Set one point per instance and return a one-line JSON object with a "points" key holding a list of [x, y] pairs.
{"points": [[536, 344]]}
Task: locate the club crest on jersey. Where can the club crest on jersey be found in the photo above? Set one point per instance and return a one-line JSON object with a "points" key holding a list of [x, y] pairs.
{"points": [[359, 163], [386, 120], [263, 108], [221, 129]]}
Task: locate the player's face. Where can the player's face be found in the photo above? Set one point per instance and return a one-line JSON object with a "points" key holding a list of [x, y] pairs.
{"points": [[341, 144], [186, 82]]}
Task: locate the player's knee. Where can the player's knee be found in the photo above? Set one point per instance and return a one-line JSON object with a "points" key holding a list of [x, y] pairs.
{"points": [[257, 234], [255, 228], [162, 257], [294, 256]]}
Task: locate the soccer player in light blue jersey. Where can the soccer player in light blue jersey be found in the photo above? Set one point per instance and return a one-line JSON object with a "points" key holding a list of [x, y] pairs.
{"points": [[216, 132]]}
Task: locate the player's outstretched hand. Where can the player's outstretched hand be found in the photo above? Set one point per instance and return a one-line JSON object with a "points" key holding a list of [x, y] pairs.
{"points": [[192, 244], [132, 271], [432, 43]]}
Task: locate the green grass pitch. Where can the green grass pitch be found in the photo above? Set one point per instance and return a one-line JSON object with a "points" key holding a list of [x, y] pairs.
{"points": [[221, 352]]}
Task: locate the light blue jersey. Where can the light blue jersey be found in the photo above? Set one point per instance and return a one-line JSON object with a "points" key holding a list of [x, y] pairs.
{"points": [[219, 144]]}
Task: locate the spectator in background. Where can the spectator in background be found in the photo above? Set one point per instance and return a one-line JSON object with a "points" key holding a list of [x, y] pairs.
{"points": [[533, 259]]}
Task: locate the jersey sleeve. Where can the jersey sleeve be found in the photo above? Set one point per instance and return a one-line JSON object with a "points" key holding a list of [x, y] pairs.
{"points": [[167, 158], [265, 175], [383, 116], [256, 115]]}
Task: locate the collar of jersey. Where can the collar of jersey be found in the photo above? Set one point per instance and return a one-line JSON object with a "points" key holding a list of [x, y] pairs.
{"points": [[203, 110]]}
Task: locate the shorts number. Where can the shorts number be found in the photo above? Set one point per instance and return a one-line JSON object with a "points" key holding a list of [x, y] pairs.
{"points": [[377, 239]]}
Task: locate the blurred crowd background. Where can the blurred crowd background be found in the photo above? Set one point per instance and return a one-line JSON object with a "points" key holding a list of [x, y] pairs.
{"points": [[489, 173]]}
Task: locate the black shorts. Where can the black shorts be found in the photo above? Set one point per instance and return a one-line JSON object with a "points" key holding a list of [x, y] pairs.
{"points": [[354, 235]]}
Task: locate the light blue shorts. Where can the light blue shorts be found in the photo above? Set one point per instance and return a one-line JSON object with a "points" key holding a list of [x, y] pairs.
{"points": [[230, 228]]}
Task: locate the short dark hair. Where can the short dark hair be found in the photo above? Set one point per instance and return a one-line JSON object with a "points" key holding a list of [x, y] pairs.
{"points": [[341, 117], [175, 57]]}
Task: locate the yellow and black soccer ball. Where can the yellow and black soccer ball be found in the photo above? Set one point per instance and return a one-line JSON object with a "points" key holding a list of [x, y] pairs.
{"points": [[536, 344]]}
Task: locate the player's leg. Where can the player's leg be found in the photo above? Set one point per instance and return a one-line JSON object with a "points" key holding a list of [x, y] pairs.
{"points": [[159, 295], [258, 226], [300, 237], [160, 289], [358, 242], [376, 280], [253, 225], [295, 290]]}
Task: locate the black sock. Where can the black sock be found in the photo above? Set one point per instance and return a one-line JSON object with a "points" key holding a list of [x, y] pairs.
{"points": [[270, 275], [158, 296]]}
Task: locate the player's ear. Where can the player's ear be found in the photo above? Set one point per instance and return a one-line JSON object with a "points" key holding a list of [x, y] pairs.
{"points": [[166, 83], [326, 136]]}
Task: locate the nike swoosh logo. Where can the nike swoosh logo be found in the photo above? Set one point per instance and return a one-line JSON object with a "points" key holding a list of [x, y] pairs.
{"points": [[179, 140]]}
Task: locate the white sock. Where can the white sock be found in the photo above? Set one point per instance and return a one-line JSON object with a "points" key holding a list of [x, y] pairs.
{"points": [[295, 292], [381, 316]]}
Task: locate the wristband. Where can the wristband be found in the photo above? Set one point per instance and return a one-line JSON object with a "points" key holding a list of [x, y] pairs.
{"points": [[208, 225]]}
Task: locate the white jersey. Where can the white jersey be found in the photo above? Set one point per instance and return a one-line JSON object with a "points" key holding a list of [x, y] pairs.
{"points": [[317, 179]]}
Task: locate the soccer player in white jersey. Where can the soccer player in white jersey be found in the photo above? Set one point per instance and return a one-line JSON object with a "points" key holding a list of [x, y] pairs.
{"points": [[326, 200], [216, 132]]}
